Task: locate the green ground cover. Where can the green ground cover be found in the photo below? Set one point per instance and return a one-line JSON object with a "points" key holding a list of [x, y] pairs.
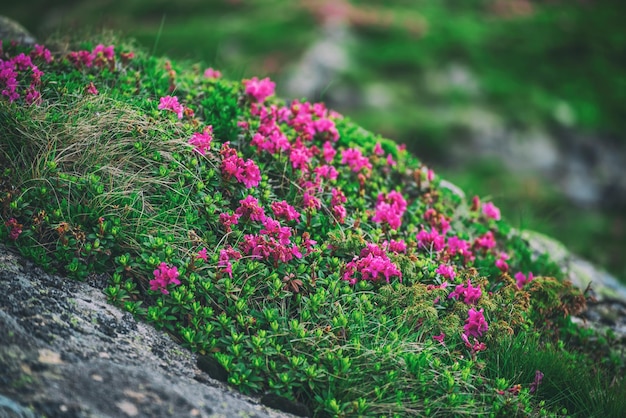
{"points": [[304, 255], [552, 64]]}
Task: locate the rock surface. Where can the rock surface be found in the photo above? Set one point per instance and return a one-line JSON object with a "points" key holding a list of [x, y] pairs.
{"points": [[65, 352]]}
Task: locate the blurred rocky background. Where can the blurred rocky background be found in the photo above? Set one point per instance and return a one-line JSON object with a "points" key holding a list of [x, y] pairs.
{"points": [[520, 101]]}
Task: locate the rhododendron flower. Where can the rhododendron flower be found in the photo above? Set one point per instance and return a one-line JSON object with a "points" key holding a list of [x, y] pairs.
{"points": [[378, 149], [355, 160], [284, 210], [300, 156], [268, 248], [469, 293], [430, 240], [374, 267], [212, 74], [250, 208], [246, 172], [202, 255], [446, 271], [326, 172], [390, 161], [340, 213], [259, 89], [327, 126], [439, 338], [310, 201], [397, 246], [328, 152], [164, 276], [201, 141], [226, 255], [475, 324], [501, 262], [491, 211], [486, 241], [91, 89], [15, 228], [458, 246], [229, 220], [171, 103], [477, 346], [390, 209], [273, 228], [40, 51], [522, 279], [307, 242]]}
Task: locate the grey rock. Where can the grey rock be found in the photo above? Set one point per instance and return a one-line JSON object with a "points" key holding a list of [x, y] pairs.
{"points": [[66, 352], [10, 30]]}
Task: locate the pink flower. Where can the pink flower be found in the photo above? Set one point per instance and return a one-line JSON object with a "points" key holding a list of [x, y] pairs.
{"points": [[390, 209], [40, 51], [202, 141], [15, 228], [446, 271], [397, 246], [469, 293], [535, 384], [522, 280], [164, 276], [340, 213], [390, 161], [491, 211], [226, 255], [501, 262], [228, 220], [202, 255], [284, 210], [259, 89], [439, 338], [371, 267], [326, 172], [171, 103], [378, 149], [355, 160], [328, 152], [477, 346], [91, 89], [458, 246], [250, 208], [486, 241], [212, 74], [246, 172], [430, 240], [475, 324]]}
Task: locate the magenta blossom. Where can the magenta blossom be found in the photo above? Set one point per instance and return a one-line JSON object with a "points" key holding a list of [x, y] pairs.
{"points": [[164, 276], [501, 262], [469, 293], [491, 211], [522, 279], [210, 73], [171, 103], [430, 240], [91, 89], [390, 209], [374, 266], [446, 271], [439, 338], [202, 141], [259, 89], [202, 255], [228, 220], [486, 241], [398, 246], [15, 228], [475, 324], [250, 208], [284, 210], [355, 160]]}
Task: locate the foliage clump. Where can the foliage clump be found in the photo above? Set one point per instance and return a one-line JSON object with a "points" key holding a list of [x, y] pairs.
{"points": [[309, 258]]}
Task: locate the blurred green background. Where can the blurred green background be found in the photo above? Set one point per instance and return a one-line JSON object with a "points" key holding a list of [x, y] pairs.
{"points": [[522, 102]]}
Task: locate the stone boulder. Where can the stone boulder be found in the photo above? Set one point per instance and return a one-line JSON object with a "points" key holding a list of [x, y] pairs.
{"points": [[66, 352]]}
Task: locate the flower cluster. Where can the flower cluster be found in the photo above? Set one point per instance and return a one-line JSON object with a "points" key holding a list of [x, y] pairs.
{"points": [[469, 293], [355, 160], [475, 324], [372, 264], [201, 141], [227, 254], [246, 172], [259, 89], [389, 209], [12, 79], [171, 103], [522, 279], [212, 74], [101, 56], [491, 211], [284, 210], [432, 241], [164, 276], [15, 228]]}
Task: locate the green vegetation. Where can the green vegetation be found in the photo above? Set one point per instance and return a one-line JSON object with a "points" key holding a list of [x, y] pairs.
{"points": [[555, 65], [306, 256]]}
